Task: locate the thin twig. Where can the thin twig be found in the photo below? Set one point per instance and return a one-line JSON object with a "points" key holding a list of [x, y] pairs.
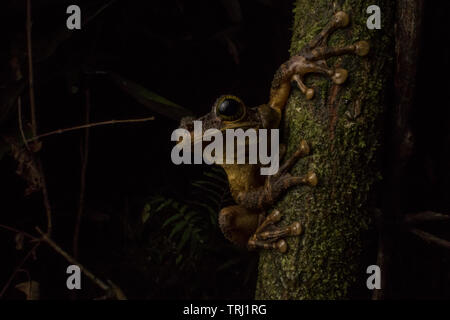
{"points": [[18, 231], [72, 260], [383, 259], [109, 288], [19, 117], [116, 290], [29, 281], [428, 237], [90, 125], [425, 216], [84, 161], [33, 117], [48, 209], [18, 268], [30, 70]]}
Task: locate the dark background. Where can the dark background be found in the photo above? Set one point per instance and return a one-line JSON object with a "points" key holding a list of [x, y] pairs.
{"points": [[189, 52]]}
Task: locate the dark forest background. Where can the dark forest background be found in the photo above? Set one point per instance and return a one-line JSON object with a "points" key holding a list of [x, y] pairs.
{"points": [[148, 225]]}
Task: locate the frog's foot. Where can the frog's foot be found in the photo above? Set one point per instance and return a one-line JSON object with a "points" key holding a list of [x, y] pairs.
{"points": [[279, 183], [312, 58], [268, 236], [287, 180], [301, 152]]}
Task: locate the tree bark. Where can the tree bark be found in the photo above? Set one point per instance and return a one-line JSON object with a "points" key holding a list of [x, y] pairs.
{"points": [[343, 125]]}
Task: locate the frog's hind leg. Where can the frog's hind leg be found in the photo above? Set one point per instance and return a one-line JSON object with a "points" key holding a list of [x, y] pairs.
{"points": [[239, 223], [268, 236]]}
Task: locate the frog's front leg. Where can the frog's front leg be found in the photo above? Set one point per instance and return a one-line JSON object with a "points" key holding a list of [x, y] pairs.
{"points": [[312, 59], [266, 195]]}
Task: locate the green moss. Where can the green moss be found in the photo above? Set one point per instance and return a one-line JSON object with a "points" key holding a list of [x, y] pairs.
{"points": [[323, 262]]}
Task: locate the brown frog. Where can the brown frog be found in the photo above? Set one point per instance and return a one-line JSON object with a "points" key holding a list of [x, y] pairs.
{"points": [[246, 223]]}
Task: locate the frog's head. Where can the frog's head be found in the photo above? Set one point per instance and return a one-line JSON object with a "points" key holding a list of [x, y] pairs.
{"points": [[230, 112]]}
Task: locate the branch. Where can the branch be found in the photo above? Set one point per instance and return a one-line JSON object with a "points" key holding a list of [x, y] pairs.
{"points": [[18, 268], [30, 70], [111, 288], [425, 217], [19, 231], [19, 117], [33, 117], [90, 125], [27, 256], [48, 209], [85, 152], [429, 238]]}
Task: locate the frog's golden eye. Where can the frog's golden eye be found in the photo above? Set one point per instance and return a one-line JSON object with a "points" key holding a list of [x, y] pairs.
{"points": [[230, 108]]}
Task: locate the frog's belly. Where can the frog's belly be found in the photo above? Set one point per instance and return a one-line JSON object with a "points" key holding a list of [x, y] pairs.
{"points": [[243, 177]]}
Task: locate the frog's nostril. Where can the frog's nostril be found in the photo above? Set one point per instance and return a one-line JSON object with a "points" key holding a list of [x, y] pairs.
{"points": [[187, 123]]}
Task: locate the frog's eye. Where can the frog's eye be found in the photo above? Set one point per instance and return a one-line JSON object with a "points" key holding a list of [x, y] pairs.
{"points": [[230, 108]]}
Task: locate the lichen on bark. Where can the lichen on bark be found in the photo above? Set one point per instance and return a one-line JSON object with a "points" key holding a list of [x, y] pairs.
{"points": [[343, 125]]}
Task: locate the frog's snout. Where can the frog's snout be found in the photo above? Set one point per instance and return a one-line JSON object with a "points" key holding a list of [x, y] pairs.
{"points": [[187, 123]]}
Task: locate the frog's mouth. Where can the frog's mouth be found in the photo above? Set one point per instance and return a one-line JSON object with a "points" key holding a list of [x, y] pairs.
{"points": [[241, 125], [206, 135]]}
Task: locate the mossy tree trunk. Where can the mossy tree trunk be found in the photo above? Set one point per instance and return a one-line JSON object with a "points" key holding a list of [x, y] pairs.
{"points": [[343, 124]]}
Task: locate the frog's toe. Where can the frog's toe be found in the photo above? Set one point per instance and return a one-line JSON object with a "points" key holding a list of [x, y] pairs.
{"points": [[268, 236], [339, 76], [301, 152], [281, 246]]}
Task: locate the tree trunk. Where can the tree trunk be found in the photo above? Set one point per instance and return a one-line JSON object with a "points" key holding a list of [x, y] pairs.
{"points": [[343, 125], [400, 146]]}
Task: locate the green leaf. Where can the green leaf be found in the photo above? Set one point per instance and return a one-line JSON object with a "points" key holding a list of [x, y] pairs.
{"points": [[203, 205], [172, 219], [186, 235], [220, 178], [213, 220], [180, 225], [208, 183], [163, 205], [209, 190], [145, 216], [228, 264], [196, 236], [183, 209], [149, 99], [190, 215]]}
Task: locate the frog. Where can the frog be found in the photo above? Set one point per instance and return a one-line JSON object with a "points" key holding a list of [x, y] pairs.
{"points": [[246, 223]]}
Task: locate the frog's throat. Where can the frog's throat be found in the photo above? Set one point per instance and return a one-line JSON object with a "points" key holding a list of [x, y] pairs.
{"points": [[240, 125]]}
